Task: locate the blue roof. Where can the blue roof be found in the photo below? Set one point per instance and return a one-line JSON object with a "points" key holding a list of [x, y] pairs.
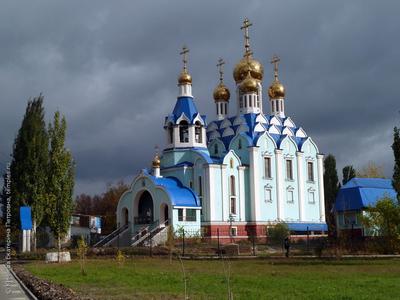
{"points": [[250, 121], [307, 226], [178, 194], [185, 105], [181, 164], [360, 193]]}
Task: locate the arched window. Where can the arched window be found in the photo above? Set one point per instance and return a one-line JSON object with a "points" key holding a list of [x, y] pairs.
{"points": [[231, 163], [240, 144], [216, 149], [232, 198], [184, 132], [198, 132], [232, 186], [170, 133]]}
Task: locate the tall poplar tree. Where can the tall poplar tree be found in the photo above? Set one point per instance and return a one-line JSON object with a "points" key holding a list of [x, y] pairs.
{"points": [[331, 188], [396, 170], [60, 180], [29, 165], [348, 173]]}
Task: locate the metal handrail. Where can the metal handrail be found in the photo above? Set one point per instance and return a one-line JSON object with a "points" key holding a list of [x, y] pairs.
{"points": [[139, 237], [113, 234], [140, 233]]}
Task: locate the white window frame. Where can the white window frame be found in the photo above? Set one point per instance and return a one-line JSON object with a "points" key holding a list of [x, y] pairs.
{"points": [[268, 191], [233, 231], [290, 178], [312, 171], [267, 158], [311, 193]]}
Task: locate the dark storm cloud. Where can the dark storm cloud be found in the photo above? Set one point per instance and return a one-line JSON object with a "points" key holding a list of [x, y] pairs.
{"points": [[111, 68]]}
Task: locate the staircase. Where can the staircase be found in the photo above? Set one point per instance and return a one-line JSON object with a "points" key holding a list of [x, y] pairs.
{"points": [[111, 237], [154, 233]]}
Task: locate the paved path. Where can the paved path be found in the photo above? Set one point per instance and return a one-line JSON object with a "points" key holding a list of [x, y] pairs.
{"points": [[10, 289]]}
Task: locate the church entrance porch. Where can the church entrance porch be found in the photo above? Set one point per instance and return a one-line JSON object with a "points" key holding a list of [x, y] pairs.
{"points": [[164, 214], [125, 213], [145, 212]]}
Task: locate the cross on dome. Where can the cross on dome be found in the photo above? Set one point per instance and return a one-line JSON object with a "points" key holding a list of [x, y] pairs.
{"points": [[245, 28], [184, 77], [275, 60], [221, 70], [184, 53]]}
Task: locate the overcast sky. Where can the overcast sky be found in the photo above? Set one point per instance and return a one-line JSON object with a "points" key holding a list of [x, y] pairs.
{"points": [[111, 68]]}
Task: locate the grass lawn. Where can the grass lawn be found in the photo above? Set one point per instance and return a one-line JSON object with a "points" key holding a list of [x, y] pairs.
{"points": [[145, 278]]}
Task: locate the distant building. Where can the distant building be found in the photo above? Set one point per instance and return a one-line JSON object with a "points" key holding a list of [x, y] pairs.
{"points": [[354, 197], [236, 174]]}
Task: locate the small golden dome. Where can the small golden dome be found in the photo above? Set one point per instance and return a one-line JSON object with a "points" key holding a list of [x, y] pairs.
{"points": [[184, 78], [276, 90], [249, 84], [221, 93], [248, 64], [156, 161]]}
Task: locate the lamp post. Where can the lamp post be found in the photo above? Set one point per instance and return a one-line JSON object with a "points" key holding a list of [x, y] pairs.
{"points": [[231, 220]]}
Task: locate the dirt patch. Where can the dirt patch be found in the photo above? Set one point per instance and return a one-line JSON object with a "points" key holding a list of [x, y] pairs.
{"points": [[43, 289]]}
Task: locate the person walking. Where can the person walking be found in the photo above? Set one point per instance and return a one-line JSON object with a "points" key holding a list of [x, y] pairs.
{"points": [[286, 244]]}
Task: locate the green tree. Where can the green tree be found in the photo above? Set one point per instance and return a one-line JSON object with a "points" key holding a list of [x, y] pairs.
{"points": [[396, 171], [331, 188], [278, 232], [60, 180], [29, 165], [383, 219], [348, 173]]}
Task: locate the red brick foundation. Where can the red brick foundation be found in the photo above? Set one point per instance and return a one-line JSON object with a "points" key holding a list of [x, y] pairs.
{"points": [[242, 232]]}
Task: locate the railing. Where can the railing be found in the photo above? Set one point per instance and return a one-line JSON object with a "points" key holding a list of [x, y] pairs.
{"points": [[147, 232], [111, 236]]}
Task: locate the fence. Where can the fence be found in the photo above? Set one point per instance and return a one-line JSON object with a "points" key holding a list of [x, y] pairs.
{"points": [[194, 243]]}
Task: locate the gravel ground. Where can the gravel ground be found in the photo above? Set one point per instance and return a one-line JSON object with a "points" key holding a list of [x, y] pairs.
{"points": [[45, 290]]}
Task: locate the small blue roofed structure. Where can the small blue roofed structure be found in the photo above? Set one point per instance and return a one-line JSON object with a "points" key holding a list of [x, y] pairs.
{"points": [[26, 217], [355, 196]]}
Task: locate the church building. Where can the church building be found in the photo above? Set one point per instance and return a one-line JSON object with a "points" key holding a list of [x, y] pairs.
{"points": [[235, 174]]}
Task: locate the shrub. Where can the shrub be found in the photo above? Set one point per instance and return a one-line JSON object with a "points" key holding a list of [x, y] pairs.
{"points": [[278, 232]]}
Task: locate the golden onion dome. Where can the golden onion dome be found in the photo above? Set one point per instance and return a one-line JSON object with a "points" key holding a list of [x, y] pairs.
{"points": [[221, 93], [184, 78], [249, 84], [276, 90], [248, 64], [156, 161]]}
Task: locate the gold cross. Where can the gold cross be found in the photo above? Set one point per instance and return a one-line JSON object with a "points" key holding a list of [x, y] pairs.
{"points": [[184, 53], [245, 27], [221, 71], [275, 60]]}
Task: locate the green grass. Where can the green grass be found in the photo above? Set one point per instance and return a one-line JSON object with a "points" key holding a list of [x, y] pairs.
{"points": [[145, 278]]}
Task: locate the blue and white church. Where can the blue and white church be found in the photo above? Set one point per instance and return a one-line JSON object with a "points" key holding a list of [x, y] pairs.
{"points": [[236, 174]]}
